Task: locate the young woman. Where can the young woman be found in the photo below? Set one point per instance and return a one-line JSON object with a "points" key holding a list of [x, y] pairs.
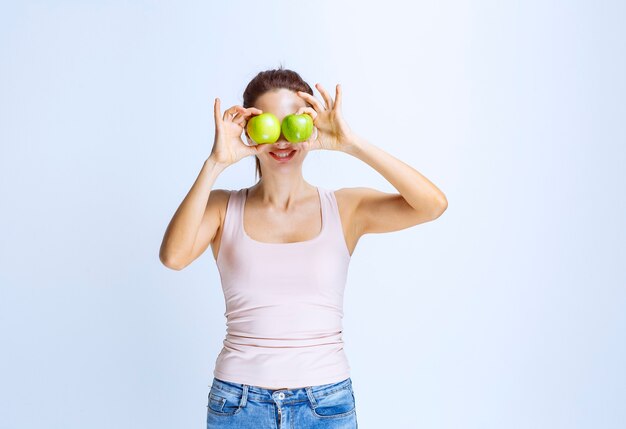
{"points": [[282, 248]]}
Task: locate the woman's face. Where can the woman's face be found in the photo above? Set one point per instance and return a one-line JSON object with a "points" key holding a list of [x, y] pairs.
{"points": [[281, 102]]}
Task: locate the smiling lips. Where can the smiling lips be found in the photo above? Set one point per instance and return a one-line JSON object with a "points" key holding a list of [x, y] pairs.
{"points": [[282, 155]]}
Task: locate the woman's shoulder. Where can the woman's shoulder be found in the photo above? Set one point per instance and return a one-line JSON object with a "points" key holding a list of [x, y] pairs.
{"points": [[222, 192], [218, 199], [348, 198], [225, 193]]}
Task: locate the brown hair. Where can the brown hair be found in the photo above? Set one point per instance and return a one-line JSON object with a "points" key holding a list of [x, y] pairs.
{"points": [[269, 80]]}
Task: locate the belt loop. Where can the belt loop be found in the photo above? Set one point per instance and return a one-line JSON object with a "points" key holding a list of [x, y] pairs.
{"points": [[244, 397], [309, 393]]}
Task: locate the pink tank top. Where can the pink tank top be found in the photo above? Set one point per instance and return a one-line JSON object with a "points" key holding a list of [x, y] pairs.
{"points": [[284, 303]]}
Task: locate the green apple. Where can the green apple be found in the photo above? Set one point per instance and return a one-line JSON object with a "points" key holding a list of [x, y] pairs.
{"points": [[297, 128], [264, 128]]}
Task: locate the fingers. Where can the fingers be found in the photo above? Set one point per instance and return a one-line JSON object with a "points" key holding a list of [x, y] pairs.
{"points": [[246, 114], [330, 104], [257, 148], [240, 120], [312, 100], [312, 143], [243, 113], [251, 111], [308, 110], [216, 111], [230, 114], [264, 147], [338, 97], [252, 150], [325, 96]]}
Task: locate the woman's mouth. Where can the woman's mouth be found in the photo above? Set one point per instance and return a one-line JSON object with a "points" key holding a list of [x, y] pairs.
{"points": [[283, 155]]}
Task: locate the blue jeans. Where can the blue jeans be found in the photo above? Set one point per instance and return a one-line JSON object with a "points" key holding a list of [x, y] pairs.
{"points": [[241, 406]]}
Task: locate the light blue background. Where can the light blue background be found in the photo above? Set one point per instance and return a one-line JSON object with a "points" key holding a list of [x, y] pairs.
{"points": [[506, 312]]}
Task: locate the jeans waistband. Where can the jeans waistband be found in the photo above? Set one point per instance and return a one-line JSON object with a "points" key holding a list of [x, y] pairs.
{"points": [[262, 394]]}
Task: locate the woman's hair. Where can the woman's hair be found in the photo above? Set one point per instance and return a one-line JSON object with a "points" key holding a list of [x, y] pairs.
{"points": [[269, 80]]}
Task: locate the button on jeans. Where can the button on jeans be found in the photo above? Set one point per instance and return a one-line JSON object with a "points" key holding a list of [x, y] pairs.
{"points": [[241, 406]]}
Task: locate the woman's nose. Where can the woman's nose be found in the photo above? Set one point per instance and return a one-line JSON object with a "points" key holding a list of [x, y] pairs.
{"points": [[282, 142]]}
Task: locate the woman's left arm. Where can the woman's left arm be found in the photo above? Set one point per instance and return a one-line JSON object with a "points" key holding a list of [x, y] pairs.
{"points": [[418, 201]]}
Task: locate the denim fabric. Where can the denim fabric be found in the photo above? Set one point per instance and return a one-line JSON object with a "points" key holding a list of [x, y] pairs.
{"points": [[241, 406]]}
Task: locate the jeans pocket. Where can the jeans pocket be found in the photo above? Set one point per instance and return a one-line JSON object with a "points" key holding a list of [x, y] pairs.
{"points": [[337, 403], [224, 403]]}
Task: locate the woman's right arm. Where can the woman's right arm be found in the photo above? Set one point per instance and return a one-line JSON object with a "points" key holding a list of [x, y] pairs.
{"points": [[196, 221], [194, 225]]}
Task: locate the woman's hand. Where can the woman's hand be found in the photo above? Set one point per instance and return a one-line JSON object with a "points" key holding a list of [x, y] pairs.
{"points": [[332, 132], [228, 147]]}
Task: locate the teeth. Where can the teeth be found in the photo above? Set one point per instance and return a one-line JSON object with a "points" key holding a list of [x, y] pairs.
{"points": [[282, 155]]}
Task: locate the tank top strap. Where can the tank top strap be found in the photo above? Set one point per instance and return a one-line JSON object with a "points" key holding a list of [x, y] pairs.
{"points": [[230, 225], [334, 228], [328, 214]]}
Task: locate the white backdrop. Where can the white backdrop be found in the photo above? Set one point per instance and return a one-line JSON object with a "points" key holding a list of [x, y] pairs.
{"points": [[506, 312]]}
